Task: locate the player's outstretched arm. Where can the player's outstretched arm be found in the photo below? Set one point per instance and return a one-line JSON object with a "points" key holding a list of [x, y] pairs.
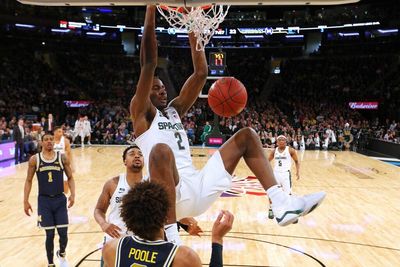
{"points": [[193, 85], [140, 106], [28, 185], [222, 225]]}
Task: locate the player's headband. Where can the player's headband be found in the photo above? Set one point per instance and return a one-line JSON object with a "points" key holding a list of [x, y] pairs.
{"points": [[281, 136]]}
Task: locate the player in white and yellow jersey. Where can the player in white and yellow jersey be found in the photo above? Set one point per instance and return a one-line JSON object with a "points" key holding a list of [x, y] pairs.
{"points": [[62, 145]]}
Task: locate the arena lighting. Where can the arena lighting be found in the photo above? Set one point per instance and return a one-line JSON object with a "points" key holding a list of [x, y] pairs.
{"points": [[24, 25], [322, 27], [346, 34], [105, 10], [96, 33], [60, 30], [120, 27], [254, 36], [295, 36], [267, 30], [222, 37], [388, 31]]}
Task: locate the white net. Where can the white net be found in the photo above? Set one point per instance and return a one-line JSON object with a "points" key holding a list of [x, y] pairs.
{"points": [[202, 21]]}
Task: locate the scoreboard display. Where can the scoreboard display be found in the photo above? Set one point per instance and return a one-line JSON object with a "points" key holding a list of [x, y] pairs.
{"points": [[217, 61]]}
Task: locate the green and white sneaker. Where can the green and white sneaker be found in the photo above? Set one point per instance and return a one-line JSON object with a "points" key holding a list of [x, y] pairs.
{"points": [[297, 206]]}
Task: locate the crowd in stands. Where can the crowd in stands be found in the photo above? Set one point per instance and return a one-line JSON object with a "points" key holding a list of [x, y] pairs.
{"points": [[307, 102]]}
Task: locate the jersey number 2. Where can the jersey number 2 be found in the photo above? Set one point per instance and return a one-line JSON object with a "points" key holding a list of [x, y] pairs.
{"points": [[50, 177], [179, 141]]}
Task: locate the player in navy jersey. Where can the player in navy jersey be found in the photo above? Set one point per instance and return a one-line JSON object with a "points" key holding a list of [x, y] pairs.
{"points": [[144, 211], [52, 202]]}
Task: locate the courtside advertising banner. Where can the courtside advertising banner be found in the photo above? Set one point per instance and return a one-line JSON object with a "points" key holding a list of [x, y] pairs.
{"points": [[7, 151]]}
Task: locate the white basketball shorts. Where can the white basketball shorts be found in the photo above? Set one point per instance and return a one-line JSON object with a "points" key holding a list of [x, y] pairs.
{"points": [[197, 190]]}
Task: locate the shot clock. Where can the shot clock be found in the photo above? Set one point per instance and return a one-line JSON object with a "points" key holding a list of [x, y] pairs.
{"points": [[217, 61]]}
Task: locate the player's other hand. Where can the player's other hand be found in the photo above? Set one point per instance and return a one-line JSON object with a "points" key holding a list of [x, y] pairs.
{"points": [[71, 201], [27, 208], [298, 176], [222, 225], [111, 229], [193, 227]]}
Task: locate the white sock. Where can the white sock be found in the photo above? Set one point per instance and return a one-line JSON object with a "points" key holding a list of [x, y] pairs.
{"points": [[171, 231], [277, 196]]}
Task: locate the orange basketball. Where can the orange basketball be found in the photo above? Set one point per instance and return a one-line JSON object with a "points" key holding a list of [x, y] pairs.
{"points": [[227, 97]]}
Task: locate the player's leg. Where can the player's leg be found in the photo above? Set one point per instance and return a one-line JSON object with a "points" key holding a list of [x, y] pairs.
{"points": [[16, 147], [63, 239], [46, 221], [162, 168], [50, 246], [61, 222], [286, 182], [246, 143], [89, 136], [82, 136], [278, 178]]}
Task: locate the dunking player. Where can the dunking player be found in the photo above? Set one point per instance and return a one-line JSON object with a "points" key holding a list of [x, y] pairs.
{"points": [[283, 156], [144, 210], [62, 145], [52, 203], [117, 187], [164, 143]]}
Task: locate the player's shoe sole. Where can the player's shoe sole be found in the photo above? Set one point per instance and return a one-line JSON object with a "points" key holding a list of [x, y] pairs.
{"points": [[309, 203], [312, 202]]}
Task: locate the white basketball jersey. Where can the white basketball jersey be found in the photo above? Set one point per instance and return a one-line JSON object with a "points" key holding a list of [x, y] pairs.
{"points": [[114, 216], [317, 142], [283, 161], [60, 147], [168, 131]]}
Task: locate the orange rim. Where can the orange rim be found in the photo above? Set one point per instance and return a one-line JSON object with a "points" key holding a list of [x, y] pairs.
{"points": [[181, 9]]}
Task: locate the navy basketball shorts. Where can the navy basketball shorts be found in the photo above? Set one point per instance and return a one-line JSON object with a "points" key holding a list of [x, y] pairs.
{"points": [[52, 211]]}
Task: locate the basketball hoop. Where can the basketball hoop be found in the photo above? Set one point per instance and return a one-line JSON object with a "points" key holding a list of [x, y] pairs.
{"points": [[202, 20]]}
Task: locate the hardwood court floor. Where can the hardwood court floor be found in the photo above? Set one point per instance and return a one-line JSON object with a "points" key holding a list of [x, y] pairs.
{"points": [[357, 225]]}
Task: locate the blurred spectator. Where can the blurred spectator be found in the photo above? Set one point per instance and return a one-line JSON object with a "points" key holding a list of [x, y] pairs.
{"points": [[18, 137]]}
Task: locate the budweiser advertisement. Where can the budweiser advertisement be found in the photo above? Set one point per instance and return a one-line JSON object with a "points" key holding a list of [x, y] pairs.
{"points": [[76, 103], [363, 105]]}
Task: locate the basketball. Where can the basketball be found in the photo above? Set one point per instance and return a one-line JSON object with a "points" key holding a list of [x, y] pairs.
{"points": [[227, 97]]}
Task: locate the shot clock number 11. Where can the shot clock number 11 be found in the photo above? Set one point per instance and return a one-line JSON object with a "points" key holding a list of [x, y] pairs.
{"points": [[217, 60]]}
